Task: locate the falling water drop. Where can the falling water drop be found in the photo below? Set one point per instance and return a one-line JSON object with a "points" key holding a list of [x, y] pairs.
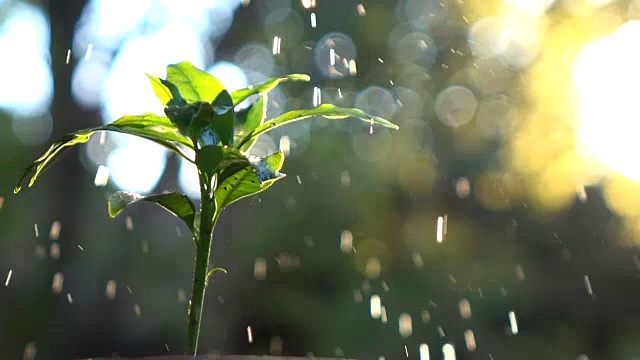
{"points": [[424, 352], [313, 20], [54, 233], [249, 335], [587, 285], [346, 242], [470, 340], [361, 10], [260, 269], [6, 283], [513, 324], [110, 291], [102, 176], [376, 310], [404, 325], [56, 284], [465, 309], [448, 352]]}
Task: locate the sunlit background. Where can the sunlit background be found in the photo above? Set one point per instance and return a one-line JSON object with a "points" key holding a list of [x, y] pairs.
{"points": [[502, 219]]}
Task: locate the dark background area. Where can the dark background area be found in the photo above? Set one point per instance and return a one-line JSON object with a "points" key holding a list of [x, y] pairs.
{"points": [[564, 261]]}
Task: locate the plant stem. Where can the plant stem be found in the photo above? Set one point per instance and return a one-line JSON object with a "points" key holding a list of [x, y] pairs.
{"points": [[208, 218]]}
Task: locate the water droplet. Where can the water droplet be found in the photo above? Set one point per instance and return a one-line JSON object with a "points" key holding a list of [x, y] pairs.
{"points": [[249, 335], [587, 285], [519, 272], [463, 188], [470, 340], [308, 4], [317, 96], [425, 316], [260, 269], [285, 145], [424, 352], [375, 305], [56, 284], [54, 251], [80, 247], [128, 222], [110, 291], [35, 227], [417, 260], [68, 56], [182, 296], [102, 176], [373, 268], [448, 352], [30, 351], [6, 283], [404, 325], [69, 298], [346, 242], [361, 10], [277, 41], [513, 324], [440, 229], [465, 308], [137, 310], [87, 55]]}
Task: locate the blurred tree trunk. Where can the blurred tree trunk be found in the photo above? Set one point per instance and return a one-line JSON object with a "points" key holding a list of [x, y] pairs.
{"points": [[63, 182]]}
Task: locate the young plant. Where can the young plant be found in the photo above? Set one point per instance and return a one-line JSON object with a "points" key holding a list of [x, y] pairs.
{"points": [[201, 117]]}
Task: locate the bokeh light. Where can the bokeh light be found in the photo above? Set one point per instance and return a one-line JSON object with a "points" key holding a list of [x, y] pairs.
{"points": [[27, 88], [609, 108]]}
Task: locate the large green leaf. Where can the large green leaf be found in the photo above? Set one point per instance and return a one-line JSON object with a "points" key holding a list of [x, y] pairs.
{"points": [[324, 110], [194, 84], [149, 126], [250, 120], [176, 203], [239, 96], [223, 120], [242, 184]]}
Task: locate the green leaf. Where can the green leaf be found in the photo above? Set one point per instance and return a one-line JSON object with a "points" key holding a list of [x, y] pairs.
{"points": [[162, 92], [239, 96], [325, 110], [149, 126], [223, 120], [258, 176], [208, 158], [193, 84], [176, 203], [211, 272], [275, 161], [253, 117], [240, 185]]}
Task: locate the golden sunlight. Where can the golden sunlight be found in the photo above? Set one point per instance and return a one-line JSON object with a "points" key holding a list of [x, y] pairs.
{"points": [[607, 79]]}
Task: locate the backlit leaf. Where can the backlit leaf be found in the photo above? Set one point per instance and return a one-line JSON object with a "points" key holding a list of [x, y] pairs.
{"points": [[149, 126], [324, 110], [239, 96], [194, 84], [176, 203]]}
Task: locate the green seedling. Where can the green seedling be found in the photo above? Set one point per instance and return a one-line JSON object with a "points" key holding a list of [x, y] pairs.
{"points": [[201, 117]]}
